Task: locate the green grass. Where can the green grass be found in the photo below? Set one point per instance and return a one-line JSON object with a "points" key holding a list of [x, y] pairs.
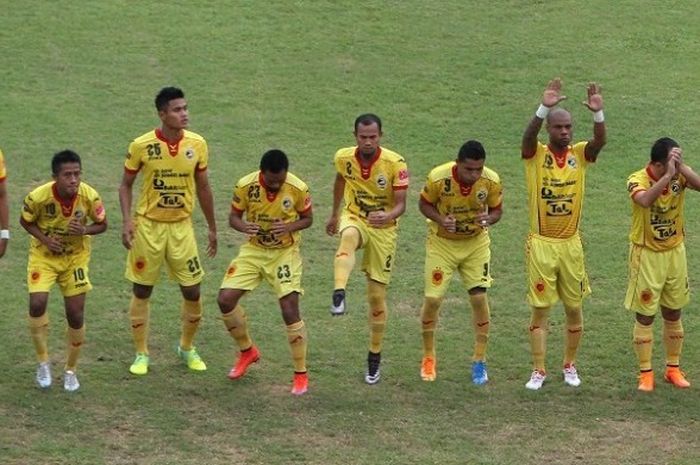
{"points": [[294, 75]]}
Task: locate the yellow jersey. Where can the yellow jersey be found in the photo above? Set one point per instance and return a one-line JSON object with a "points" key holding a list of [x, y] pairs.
{"points": [[370, 186], [262, 207], [450, 197], [660, 226], [555, 189], [52, 214], [168, 188]]}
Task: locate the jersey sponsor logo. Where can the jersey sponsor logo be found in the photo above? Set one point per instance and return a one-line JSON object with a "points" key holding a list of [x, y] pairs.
{"points": [[381, 181], [99, 209], [548, 162], [559, 207], [171, 200], [403, 175]]}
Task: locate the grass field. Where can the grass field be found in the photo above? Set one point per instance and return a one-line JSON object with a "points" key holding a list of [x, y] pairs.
{"points": [[294, 75]]}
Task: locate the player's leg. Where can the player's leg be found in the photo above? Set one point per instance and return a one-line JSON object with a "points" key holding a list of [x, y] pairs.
{"points": [[376, 296], [191, 317], [297, 339], [75, 309], [143, 264], [429, 314], [39, 330], [481, 321], [183, 261], [351, 239], [673, 335], [573, 287], [541, 259], [41, 275], [242, 275], [643, 338]]}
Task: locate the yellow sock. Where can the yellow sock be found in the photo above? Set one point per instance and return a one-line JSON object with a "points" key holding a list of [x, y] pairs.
{"points": [[39, 329], [429, 315], [539, 319], [345, 257], [236, 324], [673, 341], [138, 315], [481, 320], [296, 336], [76, 338], [643, 341], [191, 317], [377, 314], [574, 331]]}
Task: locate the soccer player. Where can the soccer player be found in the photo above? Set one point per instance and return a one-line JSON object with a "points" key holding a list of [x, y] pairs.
{"points": [[173, 162], [4, 208], [461, 199], [61, 216], [276, 205], [373, 181], [555, 175], [658, 271]]}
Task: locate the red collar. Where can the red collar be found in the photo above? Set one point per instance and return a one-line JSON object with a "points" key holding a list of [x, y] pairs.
{"points": [[66, 204], [173, 147], [366, 169], [463, 188], [269, 194]]}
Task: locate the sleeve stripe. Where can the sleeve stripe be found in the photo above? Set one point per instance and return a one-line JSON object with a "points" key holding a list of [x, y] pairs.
{"points": [[399, 188]]}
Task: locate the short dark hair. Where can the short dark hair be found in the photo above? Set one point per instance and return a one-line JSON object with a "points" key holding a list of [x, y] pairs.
{"points": [[660, 149], [366, 119], [274, 161], [472, 150], [62, 157], [167, 94]]}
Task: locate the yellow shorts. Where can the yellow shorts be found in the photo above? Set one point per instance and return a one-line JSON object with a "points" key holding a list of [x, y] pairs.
{"points": [[471, 257], [556, 270], [70, 271], [157, 242], [379, 245], [281, 268], [657, 278]]}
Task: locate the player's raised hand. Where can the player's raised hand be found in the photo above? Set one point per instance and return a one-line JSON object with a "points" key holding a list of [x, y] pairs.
{"points": [[552, 94], [594, 102], [213, 245], [332, 226], [128, 234]]}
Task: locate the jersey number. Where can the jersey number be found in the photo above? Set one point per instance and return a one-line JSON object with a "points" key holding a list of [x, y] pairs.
{"points": [[153, 149], [283, 272], [78, 274], [193, 264], [254, 191]]}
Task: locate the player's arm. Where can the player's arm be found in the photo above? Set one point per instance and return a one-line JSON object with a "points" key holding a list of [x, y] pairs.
{"points": [[645, 198], [236, 221], [125, 197], [338, 192], [493, 216], [76, 228], [206, 202], [595, 104], [379, 218], [53, 244], [431, 212], [4, 217], [551, 97], [305, 220]]}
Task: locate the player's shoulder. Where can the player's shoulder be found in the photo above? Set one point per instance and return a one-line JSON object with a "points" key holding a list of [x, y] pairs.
{"points": [[639, 175], [392, 156], [441, 172], [193, 136], [345, 152], [42, 192], [248, 179], [145, 138], [490, 175], [296, 182], [87, 190]]}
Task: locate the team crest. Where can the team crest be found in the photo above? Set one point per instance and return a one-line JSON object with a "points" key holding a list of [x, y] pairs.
{"points": [[286, 203], [571, 162], [481, 195], [35, 276], [675, 187], [539, 286], [189, 153], [437, 276], [381, 181], [78, 214], [645, 296], [140, 264], [231, 271]]}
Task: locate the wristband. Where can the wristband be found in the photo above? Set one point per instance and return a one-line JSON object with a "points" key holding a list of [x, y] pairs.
{"points": [[5, 234], [542, 112], [598, 116]]}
